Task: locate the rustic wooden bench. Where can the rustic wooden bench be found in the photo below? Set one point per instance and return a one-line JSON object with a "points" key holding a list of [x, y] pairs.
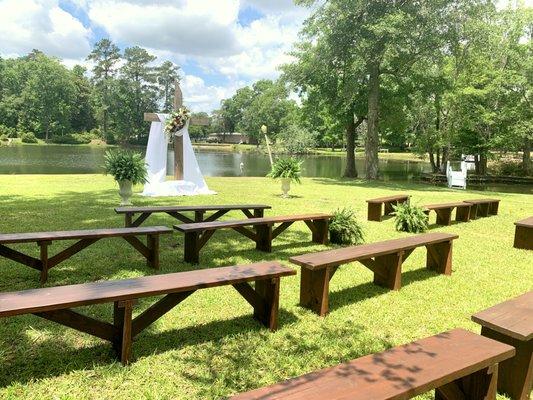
{"points": [[197, 234], [375, 205], [458, 364], [56, 303], [444, 212], [511, 322], [523, 236], [384, 259], [250, 210], [85, 238], [483, 207]]}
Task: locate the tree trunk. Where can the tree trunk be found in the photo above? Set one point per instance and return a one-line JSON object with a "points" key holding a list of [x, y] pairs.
{"points": [[372, 136], [526, 157], [483, 164], [444, 159], [350, 171], [434, 166]]}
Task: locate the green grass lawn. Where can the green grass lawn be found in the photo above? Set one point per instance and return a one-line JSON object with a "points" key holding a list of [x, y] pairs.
{"points": [[210, 346]]}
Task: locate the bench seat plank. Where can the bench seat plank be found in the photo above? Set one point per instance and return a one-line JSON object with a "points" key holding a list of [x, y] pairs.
{"points": [[336, 257], [399, 373], [388, 198], [523, 236], [27, 237], [229, 207], [526, 222], [59, 297], [513, 317], [205, 226], [445, 205]]}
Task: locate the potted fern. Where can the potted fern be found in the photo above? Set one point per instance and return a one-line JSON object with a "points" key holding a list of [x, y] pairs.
{"points": [[410, 218], [128, 168], [344, 228], [287, 170]]}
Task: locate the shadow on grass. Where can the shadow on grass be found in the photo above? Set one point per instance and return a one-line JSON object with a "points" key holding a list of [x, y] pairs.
{"points": [[389, 185], [350, 295], [55, 356]]}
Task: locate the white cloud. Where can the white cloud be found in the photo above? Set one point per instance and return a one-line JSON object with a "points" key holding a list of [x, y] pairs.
{"points": [[41, 24], [201, 97]]}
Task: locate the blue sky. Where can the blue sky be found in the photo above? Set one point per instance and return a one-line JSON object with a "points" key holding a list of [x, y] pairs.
{"points": [[220, 45]]}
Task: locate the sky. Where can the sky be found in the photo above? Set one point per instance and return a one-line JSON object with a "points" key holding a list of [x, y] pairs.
{"points": [[220, 45]]}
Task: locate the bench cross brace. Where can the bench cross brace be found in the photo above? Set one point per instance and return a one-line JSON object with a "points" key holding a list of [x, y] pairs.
{"points": [[264, 299]]}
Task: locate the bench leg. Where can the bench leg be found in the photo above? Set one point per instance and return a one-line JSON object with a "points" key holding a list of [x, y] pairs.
{"points": [[483, 210], [444, 216], [523, 238], [199, 216], [44, 260], [122, 316], [192, 247], [462, 214], [153, 250], [268, 291], [493, 210], [314, 289], [264, 238], [480, 385], [321, 232], [389, 272], [128, 220], [258, 213], [439, 257], [374, 211], [515, 376], [474, 211]]}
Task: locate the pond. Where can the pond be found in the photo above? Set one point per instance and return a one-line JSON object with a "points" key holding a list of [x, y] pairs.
{"points": [[61, 159]]}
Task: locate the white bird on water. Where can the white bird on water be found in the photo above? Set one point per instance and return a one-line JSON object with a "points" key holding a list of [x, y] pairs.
{"points": [[241, 166]]}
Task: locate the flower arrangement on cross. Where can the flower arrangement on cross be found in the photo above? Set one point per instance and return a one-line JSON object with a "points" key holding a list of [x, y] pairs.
{"points": [[177, 121]]}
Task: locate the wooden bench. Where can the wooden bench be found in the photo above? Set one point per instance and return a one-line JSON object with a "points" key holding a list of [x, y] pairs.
{"points": [[458, 364], [56, 303], [444, 212], [197, 234], [511, 322], [85, 238], [523, 236], [250, 210], [483, 207], [375, 205], [384, 259]]}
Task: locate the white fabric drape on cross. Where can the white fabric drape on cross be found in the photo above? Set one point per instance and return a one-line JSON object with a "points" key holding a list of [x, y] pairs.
{"points": [[193, 182]]}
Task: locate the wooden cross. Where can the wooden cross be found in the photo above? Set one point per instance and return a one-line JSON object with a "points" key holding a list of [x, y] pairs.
{"points": [[178, 140]]}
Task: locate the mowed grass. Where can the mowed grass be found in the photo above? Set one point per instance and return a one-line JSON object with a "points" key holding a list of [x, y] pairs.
{"points": [[209, 346]]}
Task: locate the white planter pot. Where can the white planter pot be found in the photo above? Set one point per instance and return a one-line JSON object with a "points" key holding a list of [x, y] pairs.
{"points": [[125, 192], [285, 186]]}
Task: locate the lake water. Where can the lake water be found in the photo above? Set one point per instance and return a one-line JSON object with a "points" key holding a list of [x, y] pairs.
{"points": [[57, 159]]}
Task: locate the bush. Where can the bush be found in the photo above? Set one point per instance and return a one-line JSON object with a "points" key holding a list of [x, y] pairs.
{"points": [[286, 168], [28, 137], [126, 165], [509, 168], [3, 138], [344, 228], [76, 138], [296, 140], [8, 131], [410, 218]]}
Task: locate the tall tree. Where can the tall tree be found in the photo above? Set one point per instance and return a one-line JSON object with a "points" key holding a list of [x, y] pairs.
{"points": [[375, 39], [82, 115], [167, 74], [105, 56]]}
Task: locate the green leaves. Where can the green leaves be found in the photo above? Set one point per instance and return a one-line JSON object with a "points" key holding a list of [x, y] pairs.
{"points": [[344, 227], [410, 218], [286, 168], [125, 165]]}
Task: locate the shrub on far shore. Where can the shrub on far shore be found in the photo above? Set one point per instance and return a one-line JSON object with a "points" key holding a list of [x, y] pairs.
{"points": [[28, 137], [3, 138], [8, 131], [75, 138]]}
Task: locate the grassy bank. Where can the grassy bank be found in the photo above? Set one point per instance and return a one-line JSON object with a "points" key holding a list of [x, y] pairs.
{"points": [[209, 346]]}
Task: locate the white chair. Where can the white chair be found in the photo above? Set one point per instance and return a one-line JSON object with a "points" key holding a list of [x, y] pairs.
{"points": [[456, 179]]}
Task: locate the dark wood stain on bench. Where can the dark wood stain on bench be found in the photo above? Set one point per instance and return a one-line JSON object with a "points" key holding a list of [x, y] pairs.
{"points": [[85, 238], [444, 211], [384, 259], [511, 322], [375, 205], [523, 236], [197, 234], [458, 364], [483, 207], [55, 303], [249, 210]]}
